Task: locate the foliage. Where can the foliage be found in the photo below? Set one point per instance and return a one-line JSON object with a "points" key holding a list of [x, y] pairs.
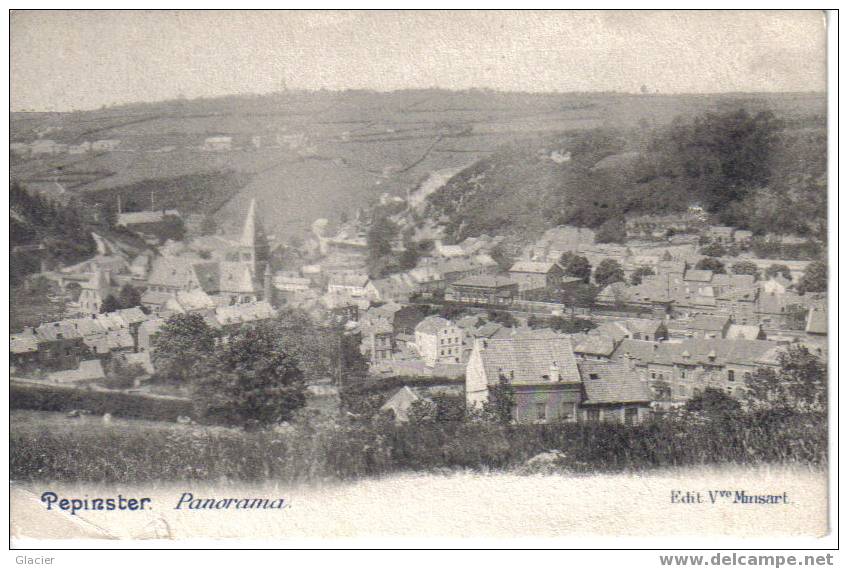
{"points": [[379, 238], [183, 349], [503, 318], [800, 383], [745, 268], [254, 381], [576, 266], [714, 403], [607, 272], [711, 264], [778, 269], [110, 304], [560, 324], [713, 249], [814, 278], [639, 274], [500, 403], [612, 231]]}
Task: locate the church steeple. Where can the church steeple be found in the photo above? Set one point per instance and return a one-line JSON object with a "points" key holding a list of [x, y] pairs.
{"points": [[254, 241]]}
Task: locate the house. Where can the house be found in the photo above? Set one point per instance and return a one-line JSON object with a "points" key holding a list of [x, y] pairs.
{"points": [[353, 285], [559, 240], [743, 236], [745, 332], [709, 326], [776, 285], [189, 301], [613, 393], [721, 233], [448, 251], [740, 303], [60, 346], [532, 275], [635, 329], [147, 333], [94, 291], [400, 403], [683, 369], [453, 270], [23, 351], [218, 143], [483, 289], [131, 218], [397, 287], [439, 340], [594, 347], [542, 370], [816, 322], [379, 342]]}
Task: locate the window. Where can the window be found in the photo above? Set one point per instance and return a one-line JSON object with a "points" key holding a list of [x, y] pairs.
{"points": [[631, 416], [681, 389], [541, 414], [593, 415], [683, 374], [731, 375], [566, 411], [594, 376]]}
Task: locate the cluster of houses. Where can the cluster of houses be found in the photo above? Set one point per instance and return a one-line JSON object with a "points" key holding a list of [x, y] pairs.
{"points": [[47, 147]]}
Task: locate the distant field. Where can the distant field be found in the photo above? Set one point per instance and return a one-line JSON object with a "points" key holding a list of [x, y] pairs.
{"points": [[356, 145]]}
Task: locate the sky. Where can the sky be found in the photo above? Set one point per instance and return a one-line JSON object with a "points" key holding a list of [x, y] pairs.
{"points": [[63, 60]]}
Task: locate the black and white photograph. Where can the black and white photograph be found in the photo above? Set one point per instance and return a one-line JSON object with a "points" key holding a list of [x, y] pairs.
{"points": [[377, 276]]}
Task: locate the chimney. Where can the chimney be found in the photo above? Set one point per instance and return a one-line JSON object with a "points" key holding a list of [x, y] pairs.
{"points": [[554, 373]]}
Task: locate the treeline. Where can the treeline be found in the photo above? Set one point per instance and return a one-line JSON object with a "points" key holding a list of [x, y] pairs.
{"points": [[748, 170], [60, 228]]}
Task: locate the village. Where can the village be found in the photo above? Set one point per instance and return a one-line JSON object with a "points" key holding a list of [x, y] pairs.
{"points": [[582, 330]]}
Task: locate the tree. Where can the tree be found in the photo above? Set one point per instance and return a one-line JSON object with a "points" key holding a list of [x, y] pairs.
{"points": [[501, 402], [255, 380], [612, 230], [576, 266], [814, 278], [608, 271], [639, 274], [380, 236], [800, 383], [713, 249], [110, 304], [183, 349], [129, 296], [581, 295], [778, 269], [711, 264], [714, 403], [746, 268], [503, 318]]}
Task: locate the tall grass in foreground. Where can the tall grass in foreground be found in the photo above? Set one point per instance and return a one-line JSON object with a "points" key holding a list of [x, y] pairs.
{"points": [[350, 451]]}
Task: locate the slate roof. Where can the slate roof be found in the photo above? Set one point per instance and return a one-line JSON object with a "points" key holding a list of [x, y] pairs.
{"points": [[57, 330], [348, 280], [528, 360], [540, 267], [698, 275], [708, 323], [132, 315], [23, 343], [595, 345], [432, 325], [700, 351], [172, 272], [485, 281], [243, 313], [155, 297], [605, 382], [743, 332]]}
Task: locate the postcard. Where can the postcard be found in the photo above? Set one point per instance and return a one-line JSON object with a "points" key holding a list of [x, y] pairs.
{"points": [[373, 276]]}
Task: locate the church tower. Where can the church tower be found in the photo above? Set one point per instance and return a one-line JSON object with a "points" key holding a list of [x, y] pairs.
{"points": [[253, 244]]}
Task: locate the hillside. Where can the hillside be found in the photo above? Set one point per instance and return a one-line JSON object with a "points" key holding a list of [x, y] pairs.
{"points": [[305, 155], [763, 171]]}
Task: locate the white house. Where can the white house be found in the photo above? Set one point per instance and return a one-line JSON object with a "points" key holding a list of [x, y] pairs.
{"points": [[439, 340]]}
